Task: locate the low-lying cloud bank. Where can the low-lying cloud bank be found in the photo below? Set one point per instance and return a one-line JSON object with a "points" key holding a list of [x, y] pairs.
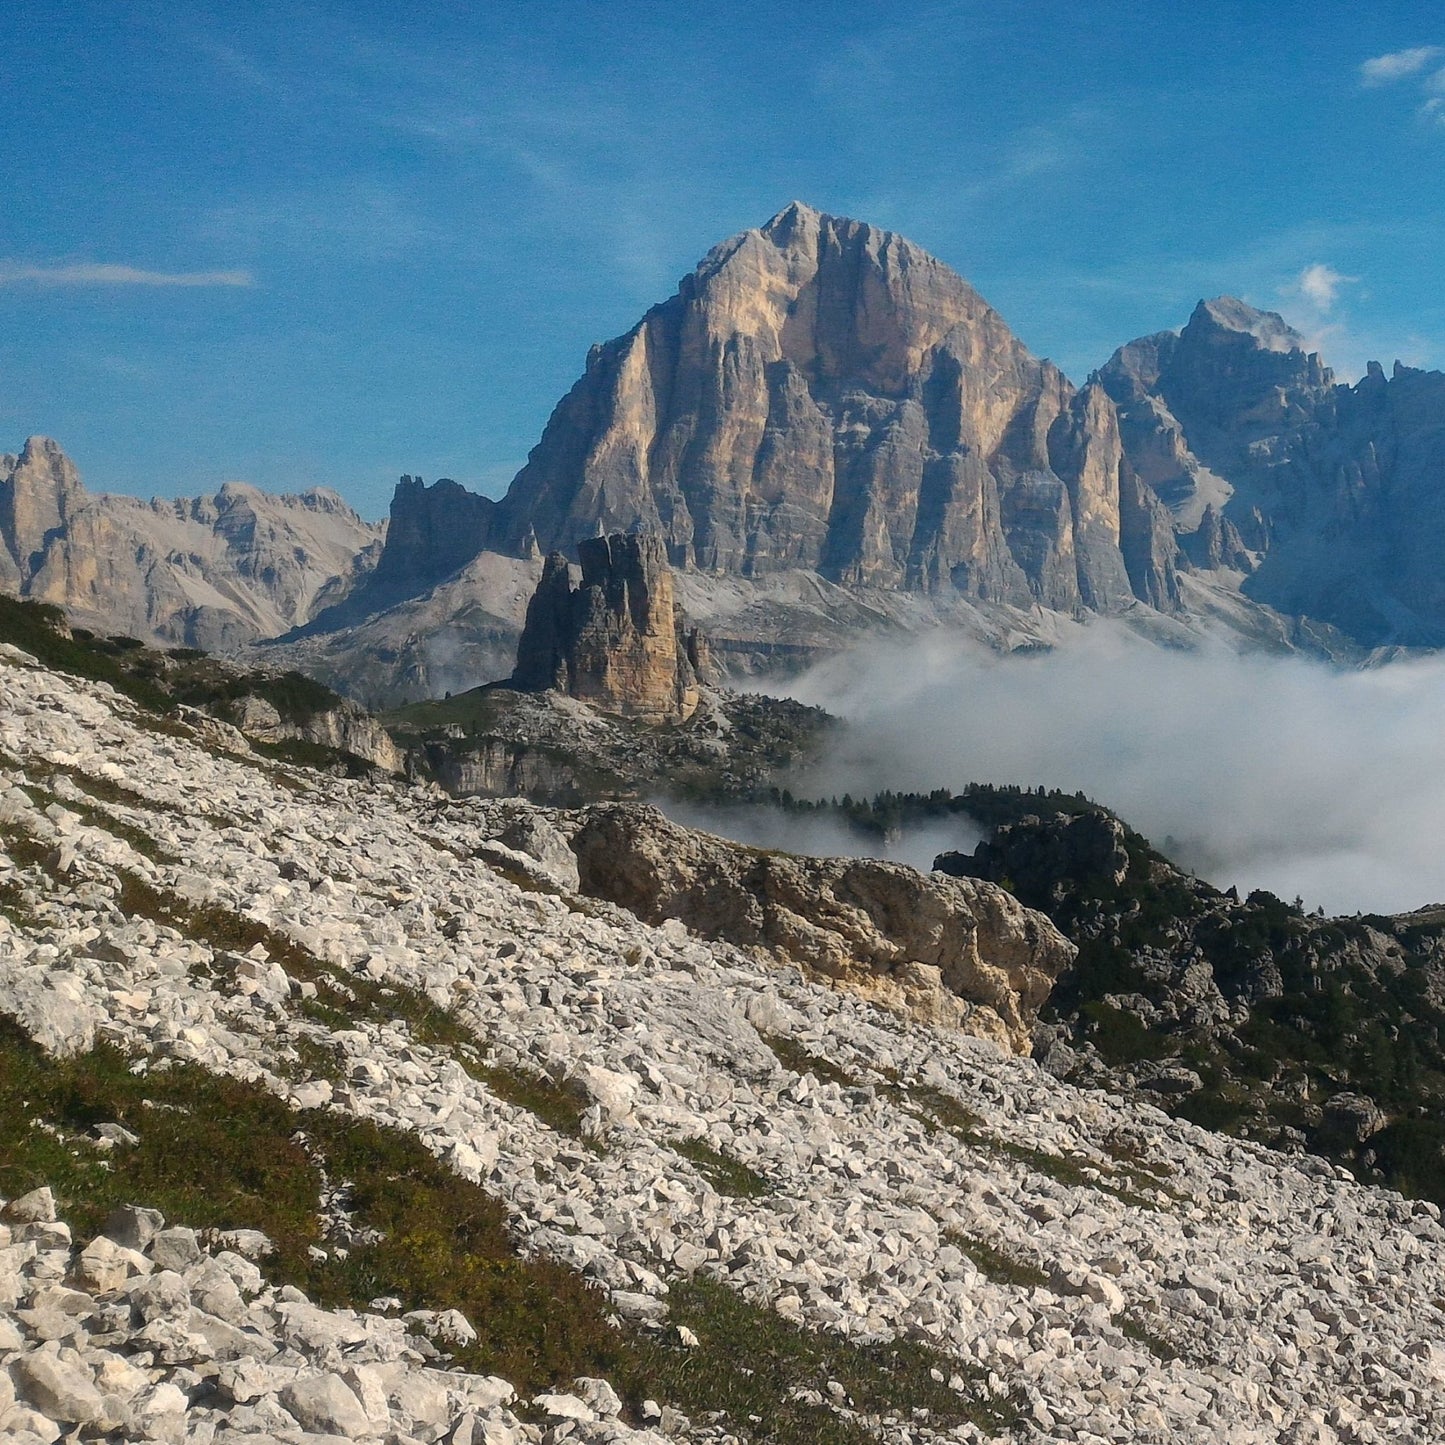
{"points": [[824, 837], [1266, 772]]}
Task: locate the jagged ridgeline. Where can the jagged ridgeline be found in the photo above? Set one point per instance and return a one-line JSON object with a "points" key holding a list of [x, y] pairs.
{"points": [[832, 435]]}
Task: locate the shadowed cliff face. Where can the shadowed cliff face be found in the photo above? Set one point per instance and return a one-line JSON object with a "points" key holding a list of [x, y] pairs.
{"points": [[826, 395], [1327, 496]]}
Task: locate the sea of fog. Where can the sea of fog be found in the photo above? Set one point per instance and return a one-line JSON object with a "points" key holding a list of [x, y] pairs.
{"points": [[825, 836], [1261, 771]]}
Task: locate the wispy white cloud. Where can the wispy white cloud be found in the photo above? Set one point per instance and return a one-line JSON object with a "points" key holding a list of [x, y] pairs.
{"points": [[1183, 744], [1319, 284], [1433, 107], [1421, 67], [94, 273], [1399, 64]]}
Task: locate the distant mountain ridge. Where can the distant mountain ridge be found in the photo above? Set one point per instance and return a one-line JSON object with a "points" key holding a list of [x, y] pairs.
{"points": [[831, 433], [1330, 498], [213, 572]]}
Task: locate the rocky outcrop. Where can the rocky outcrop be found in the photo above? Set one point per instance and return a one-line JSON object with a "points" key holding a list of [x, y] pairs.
{"points": [[947, 952], [617, 640], [1250, 1014], [40, 491], [1326, 497], [432, 532], [213, 572], [549, 748], [342, 727]]}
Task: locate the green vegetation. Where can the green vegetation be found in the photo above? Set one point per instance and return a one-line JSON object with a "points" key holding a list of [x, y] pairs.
{"points": [[999, 1265], [941, 1111], [160, 681], [1135, 1329], [726, 1174], [97, 817], [39, 629], [1329, 1006], [792, 1055], [342, 998], [217, 1153], [751, 1365]]}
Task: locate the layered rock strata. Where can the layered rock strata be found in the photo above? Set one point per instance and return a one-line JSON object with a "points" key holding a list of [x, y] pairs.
{"points": [[945, 951], [825, 395]]}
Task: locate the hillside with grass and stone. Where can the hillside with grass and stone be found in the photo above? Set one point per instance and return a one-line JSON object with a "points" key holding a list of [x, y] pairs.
{"points": [[443, 1147]]}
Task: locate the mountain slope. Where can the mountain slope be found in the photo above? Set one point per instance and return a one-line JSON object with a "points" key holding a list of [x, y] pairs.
{"points": [[213, 572], [722, 1147]]}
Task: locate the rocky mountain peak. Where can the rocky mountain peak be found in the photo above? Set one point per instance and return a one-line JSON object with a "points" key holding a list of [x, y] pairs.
{"points": [[1268, 329], [39, 490], [210, 572], [618, 639], [822, 394]]}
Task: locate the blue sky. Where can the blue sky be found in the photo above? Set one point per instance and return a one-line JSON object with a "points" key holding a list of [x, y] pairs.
{"points": [[328, 243]]}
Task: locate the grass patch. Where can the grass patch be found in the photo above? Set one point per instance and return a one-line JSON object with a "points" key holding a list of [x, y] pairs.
{"points": [[223, 1154], [39, 629], [792, 1055], [752, 1363], [217, 1153], [24, 849], [317, 757], [940, 1110], [726, 1174], [1132, 1328], [536, 1093], [343, 999], [96, 817], [999, 1265], [943, 1111]]}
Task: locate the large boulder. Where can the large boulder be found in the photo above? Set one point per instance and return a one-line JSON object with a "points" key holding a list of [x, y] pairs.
{"points": [[948, 951]]}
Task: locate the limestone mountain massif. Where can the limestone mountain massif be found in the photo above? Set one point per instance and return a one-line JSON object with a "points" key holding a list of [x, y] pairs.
{"points": [[832, 435], [215, 572], [823, 394], [835, 436], [1328, 498]]}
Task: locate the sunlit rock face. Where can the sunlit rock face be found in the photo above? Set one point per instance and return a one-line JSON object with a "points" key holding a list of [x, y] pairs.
{"points": [[618, 639], [823, 394], [210, 572]]}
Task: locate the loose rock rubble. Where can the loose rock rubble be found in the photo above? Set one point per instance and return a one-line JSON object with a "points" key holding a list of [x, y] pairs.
{"points": [[1302, 1306], [145, 1334]]}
